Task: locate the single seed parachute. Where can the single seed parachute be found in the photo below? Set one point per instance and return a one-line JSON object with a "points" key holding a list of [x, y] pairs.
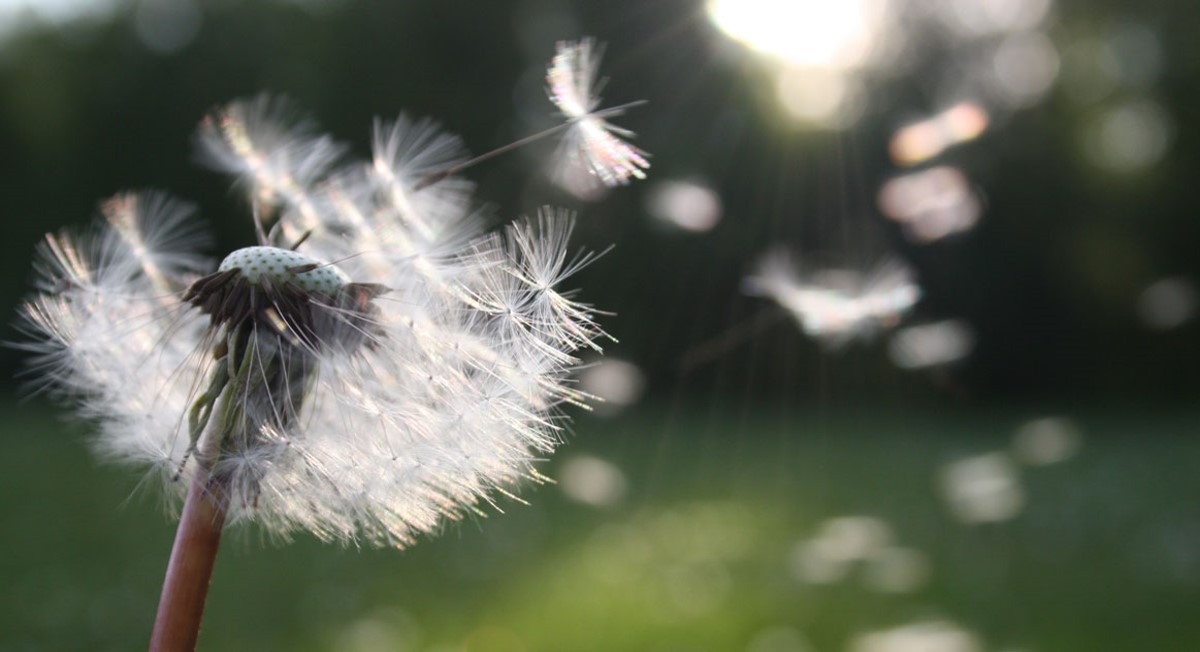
{"points": [[591, 140]]}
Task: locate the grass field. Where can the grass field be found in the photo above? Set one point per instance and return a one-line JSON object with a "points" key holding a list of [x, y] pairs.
{"points": [[704, 551]]}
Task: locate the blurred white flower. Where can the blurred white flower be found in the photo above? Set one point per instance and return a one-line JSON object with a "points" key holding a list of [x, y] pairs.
{"points": [[377, 365], [836, 306], [590, 139]]}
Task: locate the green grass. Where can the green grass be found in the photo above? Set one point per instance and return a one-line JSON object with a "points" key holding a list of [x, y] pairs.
{"points": [[1105, 556]]}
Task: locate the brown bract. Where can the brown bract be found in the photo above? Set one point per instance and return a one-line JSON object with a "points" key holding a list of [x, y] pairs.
{"points": [[314, 320]]}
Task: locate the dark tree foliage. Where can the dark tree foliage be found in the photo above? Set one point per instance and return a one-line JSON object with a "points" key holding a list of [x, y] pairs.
{"points": [[1049, 279]]}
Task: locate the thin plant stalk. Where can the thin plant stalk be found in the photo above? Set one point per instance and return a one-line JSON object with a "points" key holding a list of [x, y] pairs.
{"points": [[189, 572], [434, 177]]}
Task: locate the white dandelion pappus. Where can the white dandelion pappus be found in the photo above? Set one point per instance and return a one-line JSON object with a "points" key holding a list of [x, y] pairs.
{"points": [[590, 141], [836, 306], [271, 147], [398, 369]]}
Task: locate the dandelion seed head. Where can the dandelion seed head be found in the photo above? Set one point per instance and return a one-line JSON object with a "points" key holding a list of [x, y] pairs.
{"points": [[282, 266], [377, 367]]}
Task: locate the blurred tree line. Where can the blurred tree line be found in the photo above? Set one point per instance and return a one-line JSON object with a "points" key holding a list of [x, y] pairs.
{"points": [[1049, 279]]}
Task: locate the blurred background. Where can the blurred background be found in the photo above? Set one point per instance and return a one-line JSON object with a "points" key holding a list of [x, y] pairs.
{"points": [[907, 350]]}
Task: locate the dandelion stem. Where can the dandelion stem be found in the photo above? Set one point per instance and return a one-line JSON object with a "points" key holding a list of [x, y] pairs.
{"points": [[438, 175], [189, 572], [434, 177]]}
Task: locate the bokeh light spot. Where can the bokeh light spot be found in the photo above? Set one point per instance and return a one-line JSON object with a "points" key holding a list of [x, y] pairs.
{"points": [[983, 17], [923, 140], [825, 97], [167, 26], [1168, 303], [930, 345], [617, 383], [687, 205], [779, 639], [982, 489], [1024, 67], [1131, 136], [896, 570], [930, 204], [592, 481], [1048, 440], [933, 636]]}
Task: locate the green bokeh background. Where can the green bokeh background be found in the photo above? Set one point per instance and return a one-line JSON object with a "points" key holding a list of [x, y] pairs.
{"points": [[729, 464]]}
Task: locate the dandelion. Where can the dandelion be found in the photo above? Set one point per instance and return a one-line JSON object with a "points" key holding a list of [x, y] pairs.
{"points": [[836, 306], [591, 140], [375, 366]]}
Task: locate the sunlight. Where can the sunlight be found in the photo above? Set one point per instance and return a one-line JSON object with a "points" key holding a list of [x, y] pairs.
{"points": [[805, 33]]}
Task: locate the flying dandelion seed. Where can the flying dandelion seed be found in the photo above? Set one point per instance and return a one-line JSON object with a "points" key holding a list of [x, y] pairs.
{"points": [[591, 141], [837, 306]]}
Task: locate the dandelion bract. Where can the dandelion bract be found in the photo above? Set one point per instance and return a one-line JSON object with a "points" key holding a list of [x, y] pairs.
{"points": [[378, 364]]}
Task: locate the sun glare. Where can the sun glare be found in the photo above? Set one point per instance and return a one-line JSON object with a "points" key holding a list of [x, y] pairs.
{"points": [[806, 33]]}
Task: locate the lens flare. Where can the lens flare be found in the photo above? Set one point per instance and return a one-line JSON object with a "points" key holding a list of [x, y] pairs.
{"points": [[803, 33]]}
